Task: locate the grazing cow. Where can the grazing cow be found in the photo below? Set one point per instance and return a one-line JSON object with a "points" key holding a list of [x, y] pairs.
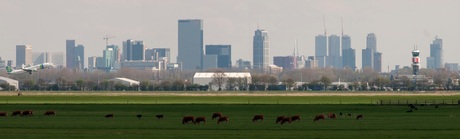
{"points": [[216, 115], [287, 119], [340, 114], [257, 117], [409, 110], [331, 116], [279, 119], [160, 116], [187, 119], [139, 116], [4, 114], [359, 117], [49, 113], [200, 119], [436, 106], [318, 117], [295, 118], [27, 113], [412, 107], [16, 113], [109, 116], [349, 114], [222, 119]]}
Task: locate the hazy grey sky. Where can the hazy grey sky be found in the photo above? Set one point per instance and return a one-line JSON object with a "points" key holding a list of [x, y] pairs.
{"points": [[398, 24]]}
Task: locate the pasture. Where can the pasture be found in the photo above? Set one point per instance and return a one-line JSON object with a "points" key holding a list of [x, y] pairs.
{"points": [[83, 117]]}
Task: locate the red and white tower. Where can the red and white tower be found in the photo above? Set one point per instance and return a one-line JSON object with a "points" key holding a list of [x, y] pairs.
{"points": [[415, 62]]}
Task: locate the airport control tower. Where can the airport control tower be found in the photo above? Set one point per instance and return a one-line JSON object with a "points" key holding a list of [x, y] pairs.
{"points": [[415, 61]]}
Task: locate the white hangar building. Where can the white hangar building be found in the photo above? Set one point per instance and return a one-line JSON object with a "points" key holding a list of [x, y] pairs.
{"points": [[205, 78]]}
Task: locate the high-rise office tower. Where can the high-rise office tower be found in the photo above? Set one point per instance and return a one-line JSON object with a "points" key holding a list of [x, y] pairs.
{"points": [[334, 54], [107, 54], [348, 53], [116, 53], [321, 50], [138, 50], [127, 50], [23, 55], [224, 55], [261, 49], [80, 56], [435, 61], [368, 58], [70, 53], [75, 55], [371, 42], [371, 57], [377, 62], [190, 44]]}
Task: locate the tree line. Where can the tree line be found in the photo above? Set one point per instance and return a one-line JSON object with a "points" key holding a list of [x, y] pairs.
{"points": [[302, 80]]}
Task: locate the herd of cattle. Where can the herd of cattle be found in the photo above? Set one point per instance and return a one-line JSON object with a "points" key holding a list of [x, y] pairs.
{"points": [[280, 119], [197, 120], [26, 113]]}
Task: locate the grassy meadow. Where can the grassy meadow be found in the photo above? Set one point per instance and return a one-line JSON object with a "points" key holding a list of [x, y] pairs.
{"points": [[83, 117]]}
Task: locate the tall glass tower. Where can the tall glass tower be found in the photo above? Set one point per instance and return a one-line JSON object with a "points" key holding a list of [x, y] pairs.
{"points": [[261, 49], [190, 44]]}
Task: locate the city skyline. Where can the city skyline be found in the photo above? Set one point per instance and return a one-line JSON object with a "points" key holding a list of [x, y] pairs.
{"points": [[232, 22]]}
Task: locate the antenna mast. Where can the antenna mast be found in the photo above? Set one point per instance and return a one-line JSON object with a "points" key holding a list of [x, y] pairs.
{"points": [[324, 22], [341, 19]]}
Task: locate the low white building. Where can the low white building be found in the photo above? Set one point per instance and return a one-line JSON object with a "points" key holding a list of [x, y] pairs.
{"points": [[206, 78], [125, 81], [12, 82]]}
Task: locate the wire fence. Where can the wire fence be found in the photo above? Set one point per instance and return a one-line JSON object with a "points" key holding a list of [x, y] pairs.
{"points": [[420, 101]]}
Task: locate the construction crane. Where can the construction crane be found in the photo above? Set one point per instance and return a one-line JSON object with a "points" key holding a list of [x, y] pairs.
{"points": [[106, 38]]}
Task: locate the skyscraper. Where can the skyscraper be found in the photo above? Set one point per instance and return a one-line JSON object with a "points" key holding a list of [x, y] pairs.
{"points": [[23, 55], [80, 57], [75, 55], [371, 42], [224, 55], [435, 61], [368, 58], [321, 50], [371, 57], [70, 53], [334, 58], [138, 50], [126, 54], [116, 53], [190, 44], [348, 53], [261, 49], [377, 62]]}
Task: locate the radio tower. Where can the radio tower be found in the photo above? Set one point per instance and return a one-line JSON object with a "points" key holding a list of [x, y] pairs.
{"points": [[415, 61]]}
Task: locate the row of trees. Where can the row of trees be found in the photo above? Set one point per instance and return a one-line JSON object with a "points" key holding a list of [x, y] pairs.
{"points": [[311, 79]]}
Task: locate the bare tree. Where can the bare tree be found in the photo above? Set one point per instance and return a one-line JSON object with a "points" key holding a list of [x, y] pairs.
{"points": [[219, 78]]}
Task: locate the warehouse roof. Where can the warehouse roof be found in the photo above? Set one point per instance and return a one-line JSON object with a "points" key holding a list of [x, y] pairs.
{"points": [[227, 74]]}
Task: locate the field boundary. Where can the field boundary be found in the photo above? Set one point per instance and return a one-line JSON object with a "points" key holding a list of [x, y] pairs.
{"points": [[420, 101], [226, 93]]}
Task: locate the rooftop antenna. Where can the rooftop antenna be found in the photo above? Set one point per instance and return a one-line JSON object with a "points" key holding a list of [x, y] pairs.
{"points": [[297, 47], [341, 19], [324, 22], [257, 25]]}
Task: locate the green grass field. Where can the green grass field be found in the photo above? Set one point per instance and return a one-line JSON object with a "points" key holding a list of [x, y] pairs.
{"points": [[83, 117]]}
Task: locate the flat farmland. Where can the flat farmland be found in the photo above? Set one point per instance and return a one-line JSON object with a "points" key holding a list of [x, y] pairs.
{"points": [[82, 116]]}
